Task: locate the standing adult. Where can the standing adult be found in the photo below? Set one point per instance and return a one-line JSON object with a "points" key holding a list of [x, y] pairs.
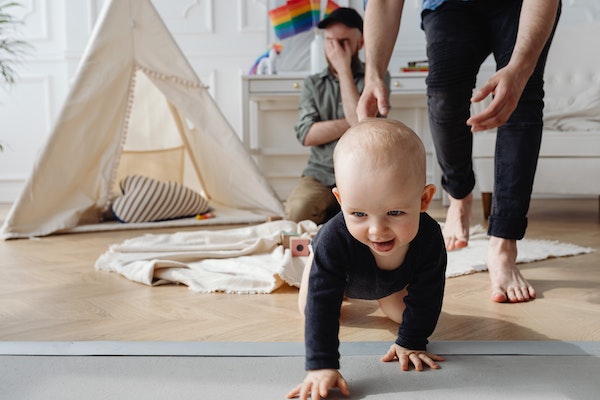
{"points": [[460, 36], [327, 109]]}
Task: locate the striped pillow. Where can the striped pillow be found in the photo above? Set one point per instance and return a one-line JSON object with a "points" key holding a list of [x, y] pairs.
{"points": [[145, 199]]}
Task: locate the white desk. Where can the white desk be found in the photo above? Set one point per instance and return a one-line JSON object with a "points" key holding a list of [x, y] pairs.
{"points": [[270, 110]]}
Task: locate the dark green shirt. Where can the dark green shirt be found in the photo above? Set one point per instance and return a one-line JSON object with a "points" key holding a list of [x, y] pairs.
{"points": [[321, 100]]}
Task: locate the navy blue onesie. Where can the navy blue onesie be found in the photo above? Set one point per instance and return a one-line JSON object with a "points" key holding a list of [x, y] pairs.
{"points": [[343, 266]]}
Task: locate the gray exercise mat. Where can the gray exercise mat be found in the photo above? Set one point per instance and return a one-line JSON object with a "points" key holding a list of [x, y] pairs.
{"points": [[472, 370]]}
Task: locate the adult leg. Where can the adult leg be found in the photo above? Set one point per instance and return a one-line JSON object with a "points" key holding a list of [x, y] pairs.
{"points": [[310, 200], [455, 56], [517, 148]]}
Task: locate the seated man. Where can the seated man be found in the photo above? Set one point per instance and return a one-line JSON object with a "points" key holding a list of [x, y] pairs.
{"points": [[327, 109]]}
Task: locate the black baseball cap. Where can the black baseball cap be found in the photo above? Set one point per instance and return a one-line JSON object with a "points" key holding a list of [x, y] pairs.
{"points": [[347, 16]]}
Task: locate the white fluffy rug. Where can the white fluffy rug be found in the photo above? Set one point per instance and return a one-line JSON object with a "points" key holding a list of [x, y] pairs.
{"points": [[472, 258], [252, 260]]}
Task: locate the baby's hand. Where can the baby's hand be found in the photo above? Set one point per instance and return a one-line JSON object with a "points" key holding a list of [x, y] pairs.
{"points": [[317, 383], [407, 356]]}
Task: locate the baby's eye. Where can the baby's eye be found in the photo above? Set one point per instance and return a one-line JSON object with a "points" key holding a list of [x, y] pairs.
{"points": [[359, 214], [395, 213]]}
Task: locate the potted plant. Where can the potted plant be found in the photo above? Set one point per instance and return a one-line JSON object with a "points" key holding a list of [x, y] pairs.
{"points": [[11, 49]]}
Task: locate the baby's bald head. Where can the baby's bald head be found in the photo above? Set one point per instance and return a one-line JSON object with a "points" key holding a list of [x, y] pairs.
{"points": [[377, 143]]}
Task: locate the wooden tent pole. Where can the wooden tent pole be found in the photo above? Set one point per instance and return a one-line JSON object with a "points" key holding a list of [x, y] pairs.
{"points": [[186, 142]]}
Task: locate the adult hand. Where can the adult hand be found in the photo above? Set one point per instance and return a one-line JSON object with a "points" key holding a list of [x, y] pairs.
{"points": [[506, 85], [406, 356], [373, 100], [317, 383], [339, 55]]}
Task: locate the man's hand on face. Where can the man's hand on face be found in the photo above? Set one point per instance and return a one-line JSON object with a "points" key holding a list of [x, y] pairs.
{"points": [[339, 54]]}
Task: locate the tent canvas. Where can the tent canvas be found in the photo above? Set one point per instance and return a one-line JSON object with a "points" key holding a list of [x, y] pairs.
{"points": [[136, 106]]}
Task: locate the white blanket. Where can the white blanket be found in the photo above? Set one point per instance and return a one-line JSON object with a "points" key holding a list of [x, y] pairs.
{"points": [[241, 260], [574, 113], [252, 260]]}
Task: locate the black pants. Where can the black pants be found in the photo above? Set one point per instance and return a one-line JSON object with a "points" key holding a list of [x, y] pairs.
{"points": [[460, 36]]}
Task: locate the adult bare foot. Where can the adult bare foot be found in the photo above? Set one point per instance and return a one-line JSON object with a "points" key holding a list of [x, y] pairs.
{"points": [[458, 220], [508, 285]]}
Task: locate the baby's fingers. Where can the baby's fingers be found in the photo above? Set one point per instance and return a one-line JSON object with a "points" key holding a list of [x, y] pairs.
{"points": [[430, 360], [319, 391], [416, 359], [294, 392], [390, 355], [302, 391]]}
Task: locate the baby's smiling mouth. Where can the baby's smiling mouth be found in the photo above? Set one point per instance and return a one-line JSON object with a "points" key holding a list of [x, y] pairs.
{"points": [[383, 246]]}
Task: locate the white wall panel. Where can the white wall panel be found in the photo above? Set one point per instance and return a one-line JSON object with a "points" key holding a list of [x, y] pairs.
{"points": [[27, 115], [252, 16], [187, 17], [78, 30], [35, 13]]}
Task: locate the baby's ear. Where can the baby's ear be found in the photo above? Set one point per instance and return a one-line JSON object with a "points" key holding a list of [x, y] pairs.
{"points": [[427, 196], [336, 193]]}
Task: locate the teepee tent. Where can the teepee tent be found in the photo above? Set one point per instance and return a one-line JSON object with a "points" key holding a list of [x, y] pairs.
{"points": [[136, 107]]}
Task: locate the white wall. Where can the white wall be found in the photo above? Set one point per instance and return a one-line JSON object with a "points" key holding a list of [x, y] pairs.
{"points": [[221, 39]]}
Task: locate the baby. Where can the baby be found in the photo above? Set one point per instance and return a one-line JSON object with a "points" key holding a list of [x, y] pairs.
{"points": [[381, 246]]}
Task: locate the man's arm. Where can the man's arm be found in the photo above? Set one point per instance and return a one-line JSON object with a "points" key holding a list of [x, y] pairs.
{"points": [[507, 84], [381, 26], [350, 95], [310, 119], [325, 131], [535, 25], [340, 56]]}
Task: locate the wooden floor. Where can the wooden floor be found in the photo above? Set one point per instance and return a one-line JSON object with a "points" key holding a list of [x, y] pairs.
{"points": [[49, 291]]}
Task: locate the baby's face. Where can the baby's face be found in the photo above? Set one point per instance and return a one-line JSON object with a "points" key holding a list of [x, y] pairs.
{"points": [[381, 208]]}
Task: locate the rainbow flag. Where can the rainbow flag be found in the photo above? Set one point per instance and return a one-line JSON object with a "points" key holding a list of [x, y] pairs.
{"points": [[331, 5], [305, 14], [298, 16], [294, 17], [281, 19]]}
